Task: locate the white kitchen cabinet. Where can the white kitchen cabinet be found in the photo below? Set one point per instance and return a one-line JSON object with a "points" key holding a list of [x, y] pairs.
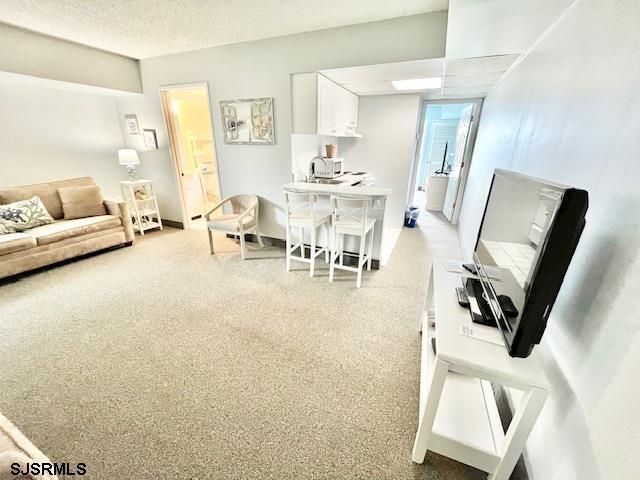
{"points": [[322, 107]]}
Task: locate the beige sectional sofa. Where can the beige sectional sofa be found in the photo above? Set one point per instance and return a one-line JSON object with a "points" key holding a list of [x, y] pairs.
{"points": [[62, 239]]}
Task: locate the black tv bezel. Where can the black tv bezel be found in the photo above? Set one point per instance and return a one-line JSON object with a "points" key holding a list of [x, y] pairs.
{"points": [[551, 265]]}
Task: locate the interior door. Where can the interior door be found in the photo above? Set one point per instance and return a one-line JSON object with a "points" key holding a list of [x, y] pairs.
{"points": [[462, 137]]}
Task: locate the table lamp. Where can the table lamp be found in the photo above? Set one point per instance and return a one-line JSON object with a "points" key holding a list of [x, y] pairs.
{"points": [[129, 158]]}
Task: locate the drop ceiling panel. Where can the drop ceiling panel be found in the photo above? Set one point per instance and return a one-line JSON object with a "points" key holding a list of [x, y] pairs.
{"points": [[386, 72], [478, 65], [470, 77]]}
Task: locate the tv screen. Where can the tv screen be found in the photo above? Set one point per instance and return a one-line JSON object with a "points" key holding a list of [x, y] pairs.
{"points": [[529, 232]]}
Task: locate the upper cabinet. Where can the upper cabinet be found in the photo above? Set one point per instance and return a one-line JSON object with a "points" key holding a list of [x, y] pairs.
{"points": [[322, 107]]}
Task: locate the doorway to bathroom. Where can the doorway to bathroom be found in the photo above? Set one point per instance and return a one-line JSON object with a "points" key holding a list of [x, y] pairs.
{"points": [[187, 113], [443, 154]]}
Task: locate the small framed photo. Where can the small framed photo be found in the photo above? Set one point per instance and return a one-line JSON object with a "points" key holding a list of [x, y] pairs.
{"points": [[150, 138], [131, 121]]}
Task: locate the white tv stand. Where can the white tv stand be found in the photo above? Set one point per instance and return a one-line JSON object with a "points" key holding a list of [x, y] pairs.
{"points": [[458, 416]]}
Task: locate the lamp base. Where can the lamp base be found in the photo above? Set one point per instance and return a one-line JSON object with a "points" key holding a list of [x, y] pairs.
{"points": [[131, 170]]}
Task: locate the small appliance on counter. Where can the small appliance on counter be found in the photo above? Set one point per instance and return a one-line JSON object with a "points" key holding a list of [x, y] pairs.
{"points": [[324, 167]]}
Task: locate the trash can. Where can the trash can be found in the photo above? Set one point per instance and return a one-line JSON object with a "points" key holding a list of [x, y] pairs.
{"points": [[411, 215]]}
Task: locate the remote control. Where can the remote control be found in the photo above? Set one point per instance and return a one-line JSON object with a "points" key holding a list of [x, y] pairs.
{"points": [[470, 267], [463, 299]]}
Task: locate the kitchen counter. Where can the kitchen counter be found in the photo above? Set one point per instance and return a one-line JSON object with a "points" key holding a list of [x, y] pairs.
{"points": [[345, 188]]}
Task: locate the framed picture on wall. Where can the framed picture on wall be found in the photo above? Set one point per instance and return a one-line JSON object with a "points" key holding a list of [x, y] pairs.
{"points": [[248, 121], [150, 138], [131, 121]]}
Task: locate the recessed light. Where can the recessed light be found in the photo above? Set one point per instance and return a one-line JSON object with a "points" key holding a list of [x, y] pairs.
{"points": [[417, 83]]}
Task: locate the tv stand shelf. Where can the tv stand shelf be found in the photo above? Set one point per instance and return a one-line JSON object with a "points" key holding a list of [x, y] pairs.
{"points": [[458, 416]]}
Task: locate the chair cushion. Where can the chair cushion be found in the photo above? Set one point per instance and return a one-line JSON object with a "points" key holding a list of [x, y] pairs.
{"points": [[48, 193], [229, 223], [64, 229], [14, 242], [80, 202], [24, 215]]}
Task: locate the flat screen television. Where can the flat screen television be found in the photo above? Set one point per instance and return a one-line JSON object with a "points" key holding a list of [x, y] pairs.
{"points": [[529, 232]]}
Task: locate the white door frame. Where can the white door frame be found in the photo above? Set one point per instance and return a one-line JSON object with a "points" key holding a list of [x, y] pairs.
{"points": [[413, 175], [166, 109]]}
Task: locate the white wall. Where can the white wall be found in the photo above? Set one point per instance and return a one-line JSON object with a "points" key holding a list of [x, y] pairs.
{"points": [[30, 53], [49, 134], [388, 124], [569, 113], [263, 68], [497, 27]]}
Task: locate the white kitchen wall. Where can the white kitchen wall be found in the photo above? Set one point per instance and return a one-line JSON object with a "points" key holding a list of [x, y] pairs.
{"points": [[388, 124], [262, 69], [569, 113], [50, 134]]}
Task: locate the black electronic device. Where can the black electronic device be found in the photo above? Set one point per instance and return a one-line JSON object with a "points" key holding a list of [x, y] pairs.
{"points": [[463, 298], [470, 267], [528, 234]]}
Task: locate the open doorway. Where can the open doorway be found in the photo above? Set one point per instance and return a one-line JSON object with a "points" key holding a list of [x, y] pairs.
{"points": [[188, 116], [446, 135]]}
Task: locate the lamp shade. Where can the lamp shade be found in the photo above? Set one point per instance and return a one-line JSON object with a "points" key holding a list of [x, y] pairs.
{"points": [[128, 156]]}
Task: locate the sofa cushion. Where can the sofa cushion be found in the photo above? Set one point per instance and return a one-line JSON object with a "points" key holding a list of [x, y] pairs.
{"points": [[63, 229], [48, 193], [14, 242], [80, 202], [25, 214]]}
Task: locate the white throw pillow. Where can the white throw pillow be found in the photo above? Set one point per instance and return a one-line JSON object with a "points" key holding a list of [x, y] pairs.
{"points": [[25, 214]]}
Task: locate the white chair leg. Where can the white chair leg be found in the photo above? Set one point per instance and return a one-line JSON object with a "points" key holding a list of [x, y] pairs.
{"points": [[361, 259], [370, 249], [210, 241], [342, 249], [242, 244], [312, 253], [259, 237], [288, 247]]}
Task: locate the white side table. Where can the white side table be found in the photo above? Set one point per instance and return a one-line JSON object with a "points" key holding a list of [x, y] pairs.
{"points": [[142, 203], [458, 414]]}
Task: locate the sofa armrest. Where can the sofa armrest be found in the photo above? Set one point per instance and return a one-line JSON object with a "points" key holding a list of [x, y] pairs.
{"points": [[120, 209]]}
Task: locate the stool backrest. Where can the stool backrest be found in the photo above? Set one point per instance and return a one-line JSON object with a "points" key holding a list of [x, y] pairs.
{"points": [[300, 203], [355, 209]]}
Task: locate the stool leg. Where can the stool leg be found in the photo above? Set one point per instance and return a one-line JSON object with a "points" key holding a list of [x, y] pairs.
{"points": [[301, 242], [342, 249], [288, 252], [327, 246], [312, 253], [361, 260], [370, 249], [333, 255]]}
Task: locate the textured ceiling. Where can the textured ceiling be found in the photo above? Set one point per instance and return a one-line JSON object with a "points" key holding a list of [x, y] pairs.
{"points": [[149, 28]]}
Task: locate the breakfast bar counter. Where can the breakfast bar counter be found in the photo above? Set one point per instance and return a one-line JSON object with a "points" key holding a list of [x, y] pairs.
{"points": [[382, 241]]}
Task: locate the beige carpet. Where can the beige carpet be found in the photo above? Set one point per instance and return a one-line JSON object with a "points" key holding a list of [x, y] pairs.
{"points": [[161, 361]]}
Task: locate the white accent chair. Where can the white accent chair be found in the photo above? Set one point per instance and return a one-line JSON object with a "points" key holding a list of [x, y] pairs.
{"points": [[350, 217], [243, 219], [300, 209]]}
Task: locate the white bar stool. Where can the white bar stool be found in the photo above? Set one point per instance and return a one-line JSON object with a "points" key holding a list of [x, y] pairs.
{"points": [[350, 217], [301, 214]]}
